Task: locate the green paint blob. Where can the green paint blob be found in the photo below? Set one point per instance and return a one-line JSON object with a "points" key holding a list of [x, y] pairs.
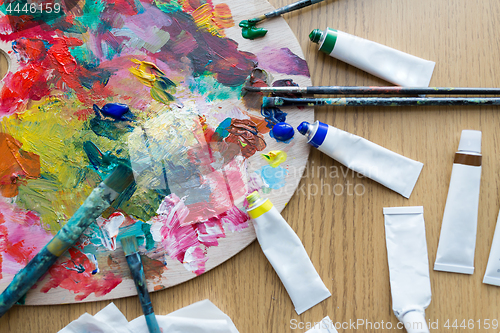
{"points": [[143, 204], [169, 7], [250, 31], [212, 90], [146, 229], [83, 55], [91, 17]]}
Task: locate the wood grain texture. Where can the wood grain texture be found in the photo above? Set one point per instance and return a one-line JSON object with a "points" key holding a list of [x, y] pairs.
{"points": [[343, 233], [4, 66]]}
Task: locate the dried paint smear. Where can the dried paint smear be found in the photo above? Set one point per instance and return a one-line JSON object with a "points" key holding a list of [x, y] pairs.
{"points": [[154, 83]]}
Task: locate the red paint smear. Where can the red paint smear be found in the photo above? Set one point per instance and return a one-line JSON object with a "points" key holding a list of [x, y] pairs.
{"points": [[82, 284], [44, 65], [20, 252]]}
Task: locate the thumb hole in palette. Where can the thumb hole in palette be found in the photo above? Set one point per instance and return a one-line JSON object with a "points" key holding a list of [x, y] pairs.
{"points": [[4, 65]]}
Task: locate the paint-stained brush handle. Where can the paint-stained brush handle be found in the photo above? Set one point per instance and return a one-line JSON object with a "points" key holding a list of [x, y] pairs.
{"points": [[96, 203], [25, 279], [137, 270], [291, 7], [269, 102], [360, 90]]}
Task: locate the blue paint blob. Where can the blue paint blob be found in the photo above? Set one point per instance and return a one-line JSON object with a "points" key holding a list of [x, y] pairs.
{"points": [[221, 130], [274, 178], [273, 116], [117, 111], [283, 132]]}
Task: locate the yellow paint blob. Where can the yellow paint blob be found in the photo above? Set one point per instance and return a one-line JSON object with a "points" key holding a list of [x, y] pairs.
{"points": [[51, 129], [145, 72], [275, 157]]}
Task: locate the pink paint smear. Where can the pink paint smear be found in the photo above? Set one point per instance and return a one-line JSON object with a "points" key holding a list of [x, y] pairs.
{"points": [[21, 238], [188, 243]]}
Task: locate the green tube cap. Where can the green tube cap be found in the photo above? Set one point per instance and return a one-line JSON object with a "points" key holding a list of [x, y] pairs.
{"points": [[315, 35]]}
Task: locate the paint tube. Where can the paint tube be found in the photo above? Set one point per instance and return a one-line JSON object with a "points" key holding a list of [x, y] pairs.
{"points": [[457, 241], [287, 255], [326, 325], [492, 275], [382, 61], [392, 170], [408, 266]]}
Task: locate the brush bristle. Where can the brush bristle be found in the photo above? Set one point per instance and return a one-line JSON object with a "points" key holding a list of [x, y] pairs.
{"points": [[268, 102], [129, 245], [121, 178]]}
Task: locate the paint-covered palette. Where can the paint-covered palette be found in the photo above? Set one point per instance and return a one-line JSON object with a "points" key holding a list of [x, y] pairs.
{"points": [[156, 83]]}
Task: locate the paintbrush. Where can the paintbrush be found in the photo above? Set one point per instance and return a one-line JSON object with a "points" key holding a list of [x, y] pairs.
{"points": [[131, 249], [270, 102], [249, 30], [392, 90], [96, 203]]}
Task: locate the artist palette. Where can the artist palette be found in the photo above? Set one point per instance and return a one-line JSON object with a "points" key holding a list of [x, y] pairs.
{"points": [[194, 143]]}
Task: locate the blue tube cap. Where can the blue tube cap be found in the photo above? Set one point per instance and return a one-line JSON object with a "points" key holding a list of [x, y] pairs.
{"points": [[303, 127]]}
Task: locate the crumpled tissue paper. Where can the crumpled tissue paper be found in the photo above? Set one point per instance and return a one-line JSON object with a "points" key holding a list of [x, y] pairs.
{"points": [[200, 317]]}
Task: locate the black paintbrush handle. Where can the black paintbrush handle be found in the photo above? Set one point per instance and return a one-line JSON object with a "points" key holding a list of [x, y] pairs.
{"points": [[291, 7], [341, 90], [268, 102]]}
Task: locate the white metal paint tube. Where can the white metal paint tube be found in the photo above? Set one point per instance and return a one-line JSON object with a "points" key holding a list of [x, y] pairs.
{"points": [[457, 242], [287, 255], [408, 266], [382, 61], [326, 325], [386, 167], [492, 274]]}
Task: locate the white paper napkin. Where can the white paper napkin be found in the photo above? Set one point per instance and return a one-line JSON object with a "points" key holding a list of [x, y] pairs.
{"points": [[200, 317]]}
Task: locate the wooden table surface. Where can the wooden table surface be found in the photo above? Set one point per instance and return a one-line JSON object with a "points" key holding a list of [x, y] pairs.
{"points": [[342, 229]]}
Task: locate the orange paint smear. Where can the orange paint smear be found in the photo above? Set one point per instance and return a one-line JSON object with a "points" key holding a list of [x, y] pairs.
{"points": [[153, 269], [222, 16], [16, 165], [259, 121], [213, 19]]}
